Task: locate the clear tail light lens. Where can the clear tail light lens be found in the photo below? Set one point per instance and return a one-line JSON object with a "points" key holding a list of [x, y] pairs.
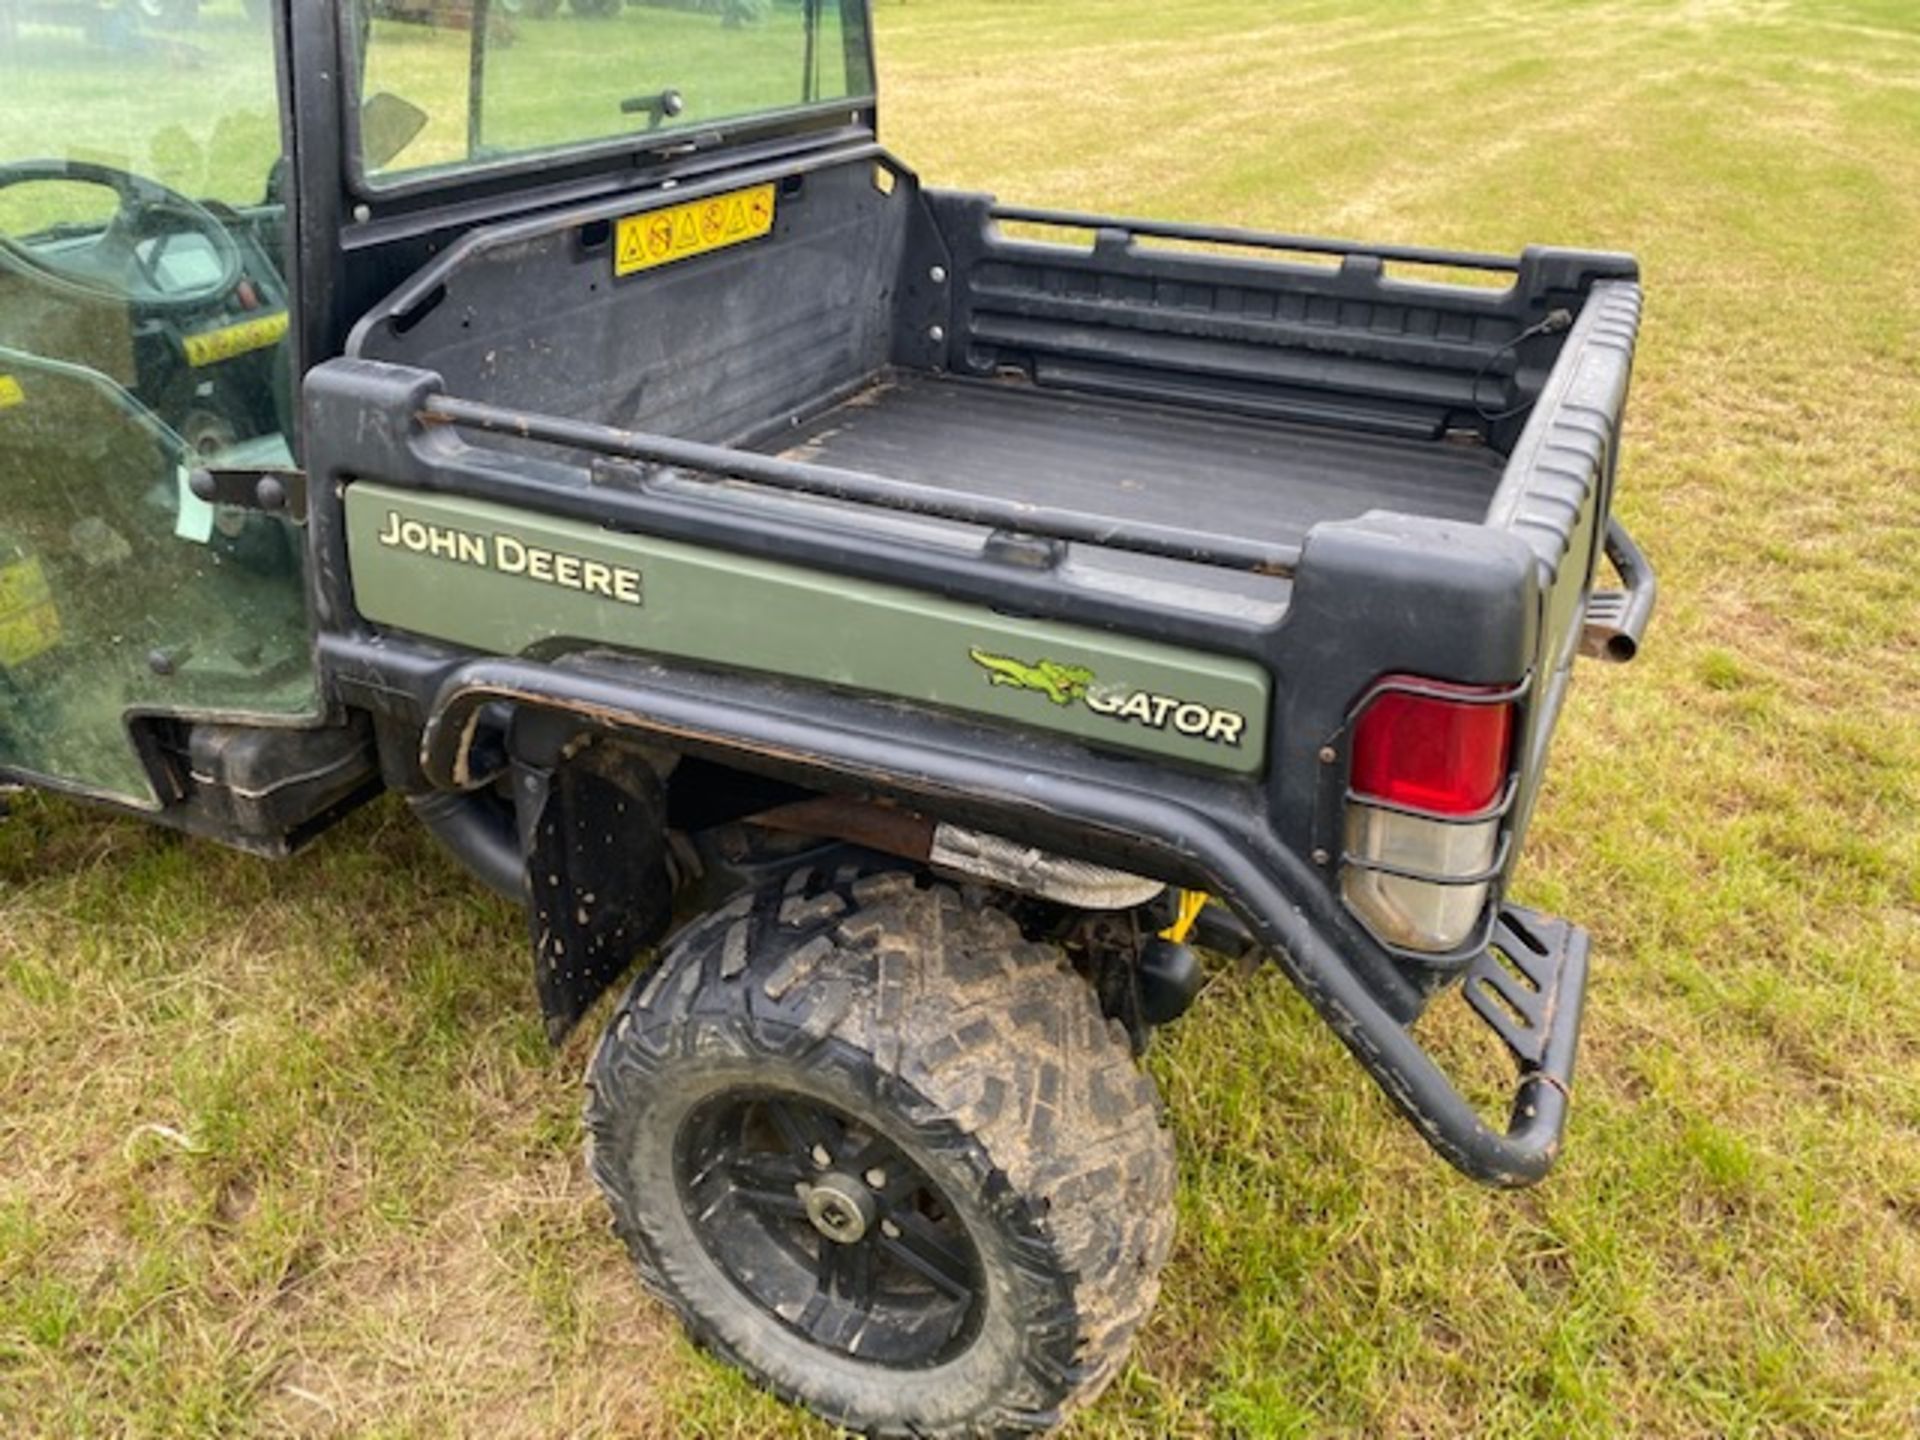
{"points": [[1419, 862], [1417, 914]]}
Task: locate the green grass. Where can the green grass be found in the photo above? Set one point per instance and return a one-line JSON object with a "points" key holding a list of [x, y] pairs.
{"points": [[379, 1224]]}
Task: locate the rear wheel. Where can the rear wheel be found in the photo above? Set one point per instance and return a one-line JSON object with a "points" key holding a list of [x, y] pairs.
{"points": [[886, 1156]]}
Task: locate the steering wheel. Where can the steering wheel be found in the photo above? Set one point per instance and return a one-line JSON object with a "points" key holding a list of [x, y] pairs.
{"points": [[120, 264]]}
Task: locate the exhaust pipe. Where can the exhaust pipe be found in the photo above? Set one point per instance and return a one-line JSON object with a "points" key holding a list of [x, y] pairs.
{"points": [[970, 854]]}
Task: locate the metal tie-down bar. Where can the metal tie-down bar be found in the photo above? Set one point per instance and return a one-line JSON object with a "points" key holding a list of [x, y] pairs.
{"points": [[857, 487]]}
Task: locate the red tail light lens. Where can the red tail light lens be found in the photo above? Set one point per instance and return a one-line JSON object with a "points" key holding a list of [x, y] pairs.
{"points": [[1428, 751]]}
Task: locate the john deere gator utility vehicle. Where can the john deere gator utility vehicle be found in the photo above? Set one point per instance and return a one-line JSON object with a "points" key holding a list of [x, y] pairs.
{"points": [[896, 625]]}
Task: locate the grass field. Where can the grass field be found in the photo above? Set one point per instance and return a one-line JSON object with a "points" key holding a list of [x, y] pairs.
{"points": [[282, 1149]]}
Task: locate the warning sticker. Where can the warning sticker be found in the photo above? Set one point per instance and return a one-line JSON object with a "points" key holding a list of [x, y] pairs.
{"points": [[661, 237], [29, 625], [210, 347]]}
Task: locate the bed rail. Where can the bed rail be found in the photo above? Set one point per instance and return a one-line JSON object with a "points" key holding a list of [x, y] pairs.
{"points": [[1257, 239], [1012, 517]]}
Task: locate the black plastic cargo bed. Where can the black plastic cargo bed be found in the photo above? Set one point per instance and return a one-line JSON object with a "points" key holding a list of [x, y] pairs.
{"points": [[1137, 461], [920, 352]]}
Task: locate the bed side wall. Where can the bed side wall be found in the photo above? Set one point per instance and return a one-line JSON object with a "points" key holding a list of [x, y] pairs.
{"points": [[1344, 338], [714, 346]]}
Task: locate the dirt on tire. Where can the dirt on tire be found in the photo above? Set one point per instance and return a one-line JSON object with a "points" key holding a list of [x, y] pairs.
{"points": [[986, 1042]]}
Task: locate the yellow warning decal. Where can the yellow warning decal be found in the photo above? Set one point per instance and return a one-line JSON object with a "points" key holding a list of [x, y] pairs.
{"points": [[210, 347], [10, 393], [29, 625], [661, 237]]}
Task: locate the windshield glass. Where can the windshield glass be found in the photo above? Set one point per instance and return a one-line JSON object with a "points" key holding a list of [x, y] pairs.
{"points": [[142, 226], [502, 79]]}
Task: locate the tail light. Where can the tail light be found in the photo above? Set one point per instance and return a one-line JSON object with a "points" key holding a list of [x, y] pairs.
{"points": [[1430, 771]]}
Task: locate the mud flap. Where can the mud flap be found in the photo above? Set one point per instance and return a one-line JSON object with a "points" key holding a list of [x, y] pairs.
{"points": [[594, 832]]}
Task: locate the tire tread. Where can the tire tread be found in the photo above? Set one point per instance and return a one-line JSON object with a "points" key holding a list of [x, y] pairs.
{"points": [[975, 1028]]}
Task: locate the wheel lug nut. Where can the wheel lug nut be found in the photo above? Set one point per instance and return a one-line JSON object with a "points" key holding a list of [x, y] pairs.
{"points": [[821, 1157], [889, 1229], [877, 1178]]}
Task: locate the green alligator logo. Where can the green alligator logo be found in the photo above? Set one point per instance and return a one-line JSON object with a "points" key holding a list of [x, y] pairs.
{"points": [[1062, 684]]}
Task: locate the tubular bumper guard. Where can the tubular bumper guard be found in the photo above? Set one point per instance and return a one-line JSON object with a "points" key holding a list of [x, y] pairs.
{"points": [[1528, 986]]}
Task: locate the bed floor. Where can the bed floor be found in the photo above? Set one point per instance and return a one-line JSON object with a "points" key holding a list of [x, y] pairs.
{"points": [[1200, 471]]}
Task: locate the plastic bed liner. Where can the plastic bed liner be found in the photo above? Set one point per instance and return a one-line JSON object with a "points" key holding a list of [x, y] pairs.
{"points": [[1138, 461]]}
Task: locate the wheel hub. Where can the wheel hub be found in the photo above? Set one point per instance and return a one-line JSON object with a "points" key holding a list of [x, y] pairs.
{"points": [[841, 1208], [830, 1228]]}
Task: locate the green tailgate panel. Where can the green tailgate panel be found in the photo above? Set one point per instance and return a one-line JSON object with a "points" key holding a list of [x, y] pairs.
{"points": [[509, 582]]}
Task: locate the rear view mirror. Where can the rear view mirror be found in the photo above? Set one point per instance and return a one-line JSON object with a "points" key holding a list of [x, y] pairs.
{"points": [[388, 125]]}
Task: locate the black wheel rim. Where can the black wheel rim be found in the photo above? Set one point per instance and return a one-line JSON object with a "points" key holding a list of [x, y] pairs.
{"points": [[829, 1228]]}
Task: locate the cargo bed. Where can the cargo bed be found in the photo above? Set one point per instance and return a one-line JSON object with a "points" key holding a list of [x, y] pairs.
{"points": [[1135, 461], [969, 364]]}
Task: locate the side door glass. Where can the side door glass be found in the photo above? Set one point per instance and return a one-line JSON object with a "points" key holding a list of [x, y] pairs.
{"points": [[143, 326]]}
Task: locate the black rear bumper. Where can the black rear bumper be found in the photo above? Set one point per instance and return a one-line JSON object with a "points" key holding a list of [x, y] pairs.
{"points": [[1529, 986]]}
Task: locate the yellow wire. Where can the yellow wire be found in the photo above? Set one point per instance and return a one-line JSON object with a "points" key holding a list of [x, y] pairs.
{"points": [[1186, 916]]}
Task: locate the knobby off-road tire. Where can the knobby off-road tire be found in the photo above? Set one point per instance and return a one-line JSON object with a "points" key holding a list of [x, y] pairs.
{"points": [[999, 1157]]}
